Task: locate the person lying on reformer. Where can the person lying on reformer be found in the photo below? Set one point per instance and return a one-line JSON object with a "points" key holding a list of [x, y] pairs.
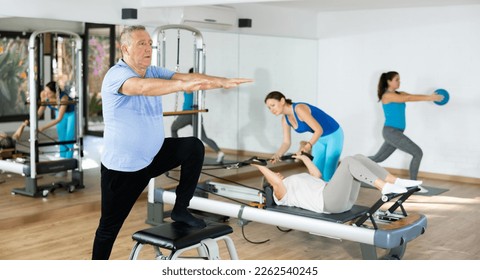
{"points": [[309, 191], [8, 142]]}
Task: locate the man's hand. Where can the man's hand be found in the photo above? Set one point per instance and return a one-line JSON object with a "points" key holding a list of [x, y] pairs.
{"points": [[197, 84], [231, 83], [204, 84]]}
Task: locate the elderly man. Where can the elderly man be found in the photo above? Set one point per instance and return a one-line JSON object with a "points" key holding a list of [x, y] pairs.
{"points": [[136, 149]]}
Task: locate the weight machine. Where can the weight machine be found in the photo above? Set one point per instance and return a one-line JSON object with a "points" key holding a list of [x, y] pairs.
{"points": [[159, 59], [33, 166]]}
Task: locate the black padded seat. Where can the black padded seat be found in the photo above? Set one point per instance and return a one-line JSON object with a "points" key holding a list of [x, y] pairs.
{"points": [[180, 237], [175, 236]]}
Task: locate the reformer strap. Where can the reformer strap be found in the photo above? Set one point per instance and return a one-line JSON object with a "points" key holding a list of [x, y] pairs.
{"points": [[290, 156], [258, 161]]}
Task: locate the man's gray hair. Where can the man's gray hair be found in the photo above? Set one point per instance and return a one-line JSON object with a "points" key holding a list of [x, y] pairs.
{"points": [[126, 35]]}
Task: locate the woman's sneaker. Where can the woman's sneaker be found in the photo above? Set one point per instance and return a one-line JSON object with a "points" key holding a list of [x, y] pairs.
{"points": [[220, 157], [407, 183], [392, 188]]}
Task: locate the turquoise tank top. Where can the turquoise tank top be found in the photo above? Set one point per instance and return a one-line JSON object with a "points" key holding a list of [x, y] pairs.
{"points": [[395, 115], [187, 101]]}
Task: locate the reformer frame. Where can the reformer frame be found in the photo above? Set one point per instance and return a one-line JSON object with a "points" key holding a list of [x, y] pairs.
{"points": [[34, 167], [388, 230]]}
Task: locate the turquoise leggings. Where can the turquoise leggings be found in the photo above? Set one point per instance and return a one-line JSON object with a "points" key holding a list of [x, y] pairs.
{"points": [[326, 153], [66, 132]]}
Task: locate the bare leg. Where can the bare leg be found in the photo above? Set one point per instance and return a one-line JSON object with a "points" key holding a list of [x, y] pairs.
{"points": [[18, 134]]}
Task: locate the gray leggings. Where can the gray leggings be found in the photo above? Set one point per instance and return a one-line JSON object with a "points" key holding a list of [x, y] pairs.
{"points": [[395, 139], [184, 120], [341, 192]]}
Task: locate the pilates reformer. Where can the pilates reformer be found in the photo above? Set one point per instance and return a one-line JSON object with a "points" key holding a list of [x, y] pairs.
{"points": [[371, 227], [33, 166]]}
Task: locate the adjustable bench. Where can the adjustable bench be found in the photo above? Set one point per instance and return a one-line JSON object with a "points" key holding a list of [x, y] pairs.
{"points": [[180, 237]]}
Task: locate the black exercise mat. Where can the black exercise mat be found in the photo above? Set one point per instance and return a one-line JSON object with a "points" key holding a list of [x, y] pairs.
{"points": [[431, 190]]}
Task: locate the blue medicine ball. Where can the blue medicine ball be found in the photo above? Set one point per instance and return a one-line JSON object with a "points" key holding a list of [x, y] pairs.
{"points": [[445, 94]]}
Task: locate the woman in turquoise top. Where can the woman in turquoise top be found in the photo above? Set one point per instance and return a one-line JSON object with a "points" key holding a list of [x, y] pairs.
{"points": [[64, 117], [393, 103], [326, 142]]}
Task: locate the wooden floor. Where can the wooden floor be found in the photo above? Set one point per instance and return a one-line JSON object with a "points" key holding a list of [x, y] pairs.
{"points": [[62, 226]]}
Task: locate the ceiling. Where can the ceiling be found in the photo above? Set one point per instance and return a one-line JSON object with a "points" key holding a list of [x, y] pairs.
{"points": [[343, 5], [316, 5]]}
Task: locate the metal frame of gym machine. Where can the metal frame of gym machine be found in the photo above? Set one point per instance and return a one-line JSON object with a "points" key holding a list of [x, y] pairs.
{"points": [[35, 166], [155, 214], [159, 47]]}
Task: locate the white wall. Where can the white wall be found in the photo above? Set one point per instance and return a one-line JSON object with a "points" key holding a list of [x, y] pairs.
{"points": [[430, 48], [277, 21]]}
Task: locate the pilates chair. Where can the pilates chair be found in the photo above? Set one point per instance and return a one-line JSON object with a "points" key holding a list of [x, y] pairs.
{"points": [[179, 238]]}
